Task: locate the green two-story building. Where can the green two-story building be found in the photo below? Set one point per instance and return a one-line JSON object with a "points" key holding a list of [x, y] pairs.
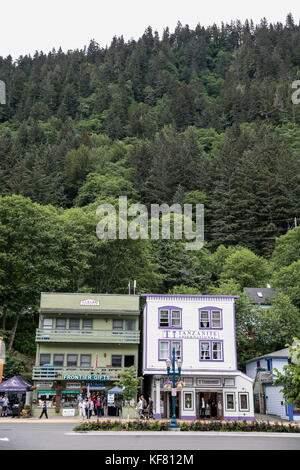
{"points": [[83, 343]]}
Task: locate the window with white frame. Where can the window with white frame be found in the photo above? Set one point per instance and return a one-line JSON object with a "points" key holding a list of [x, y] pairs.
{"points": [[175, 319], [216, 319], [117, 325], [230, 401], [188, 401], [61, 323], [58, 360], [204, 350], [164, 350], [177, 346], [164, 318], [47, 323], [243, 401], [204, 319], [217, 350], [74, 324]]}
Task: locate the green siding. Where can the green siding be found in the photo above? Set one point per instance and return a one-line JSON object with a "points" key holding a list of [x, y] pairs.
{"points": [[107, 302]]}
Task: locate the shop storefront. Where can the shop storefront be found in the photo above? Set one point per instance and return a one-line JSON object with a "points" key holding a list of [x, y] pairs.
{"points": [[201, 332]]}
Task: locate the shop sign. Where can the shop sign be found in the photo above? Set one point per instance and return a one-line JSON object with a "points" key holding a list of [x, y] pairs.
{"points": [[47, 392], [190, 334], [86, 377], [73, 385], [89, 302], [44, 384], [174, 392], [110, 399], [68, 412], [95, 385]]}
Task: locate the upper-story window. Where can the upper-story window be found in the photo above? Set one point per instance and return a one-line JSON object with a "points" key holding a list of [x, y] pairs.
{"points": [[210, 318], [48, 323], [118, 325], [61, 323], [169, 317], [87, 324], [165, 349], [211, 350], [74, 324]]}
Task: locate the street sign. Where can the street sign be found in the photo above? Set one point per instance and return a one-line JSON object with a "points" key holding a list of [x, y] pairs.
{"points": [[174, 392]]}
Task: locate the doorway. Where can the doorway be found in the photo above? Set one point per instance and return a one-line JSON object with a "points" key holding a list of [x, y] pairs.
{"points": [[213, 405], [168, 405]]}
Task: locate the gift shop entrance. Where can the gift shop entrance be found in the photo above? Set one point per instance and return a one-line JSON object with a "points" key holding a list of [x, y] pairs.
{"points": [[209, 405], [168, 405]]}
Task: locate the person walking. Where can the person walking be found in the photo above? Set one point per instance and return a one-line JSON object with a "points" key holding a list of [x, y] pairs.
{"points": [[5, 405], [99, 405], [140, 407], [150, 408], [105, 406], [90, 407], [44, 412], [82, 409], [1, 405]]}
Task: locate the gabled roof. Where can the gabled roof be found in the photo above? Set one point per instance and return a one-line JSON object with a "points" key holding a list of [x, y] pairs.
{"points": [[259, 295], [280, 353]]}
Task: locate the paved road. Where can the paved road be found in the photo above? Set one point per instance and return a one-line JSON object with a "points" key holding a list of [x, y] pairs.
{"points": [[59, 436]]}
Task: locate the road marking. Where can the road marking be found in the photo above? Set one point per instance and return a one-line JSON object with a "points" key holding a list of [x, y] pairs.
{"points": [[4, 439]]}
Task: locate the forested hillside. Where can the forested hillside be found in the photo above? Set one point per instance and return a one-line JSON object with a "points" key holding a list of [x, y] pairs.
{"points": [[195, 116]]}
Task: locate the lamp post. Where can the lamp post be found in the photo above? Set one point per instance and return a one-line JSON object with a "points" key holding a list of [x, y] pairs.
{"points": [[170, 363]]}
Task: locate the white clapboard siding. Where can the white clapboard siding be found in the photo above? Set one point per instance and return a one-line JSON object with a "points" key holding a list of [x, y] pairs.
{"points": [[274, 400]]}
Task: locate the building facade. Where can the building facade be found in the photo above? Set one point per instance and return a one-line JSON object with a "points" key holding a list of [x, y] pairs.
{"points": [[268, 399], [83, 343], [201, 329]]}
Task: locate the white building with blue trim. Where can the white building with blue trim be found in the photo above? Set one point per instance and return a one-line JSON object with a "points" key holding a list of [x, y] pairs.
{"points": [[268, 398], [201, 329]]}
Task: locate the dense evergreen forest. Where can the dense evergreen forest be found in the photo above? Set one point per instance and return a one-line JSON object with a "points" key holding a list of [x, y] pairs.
{"points": [[195, 116]]}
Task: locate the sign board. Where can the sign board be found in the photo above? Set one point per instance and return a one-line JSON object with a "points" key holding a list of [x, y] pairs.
{"points": [[73, 385], [190, 334], [174, 392], [68, 412], [89, 302], [86, 377], [44, 384], [110, 399], [95, 385]]}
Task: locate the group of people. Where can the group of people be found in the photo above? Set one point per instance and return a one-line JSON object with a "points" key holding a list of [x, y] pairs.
{"points": [[3, 405], [145, 409], [208, 408], [93, 406]]}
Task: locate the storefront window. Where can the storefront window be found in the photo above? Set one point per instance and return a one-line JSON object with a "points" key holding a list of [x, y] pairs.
{"points": [[230, 402], [188, 401], [243, 401]]}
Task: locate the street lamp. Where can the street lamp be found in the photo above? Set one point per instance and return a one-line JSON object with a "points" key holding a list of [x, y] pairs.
{"points": [[170, 363]]}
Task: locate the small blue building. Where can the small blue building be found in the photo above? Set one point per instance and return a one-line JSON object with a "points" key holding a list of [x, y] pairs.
{"points": [[267, 397]]}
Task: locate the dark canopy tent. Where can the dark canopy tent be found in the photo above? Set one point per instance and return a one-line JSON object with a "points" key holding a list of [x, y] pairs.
{"points": [[15, 385]]}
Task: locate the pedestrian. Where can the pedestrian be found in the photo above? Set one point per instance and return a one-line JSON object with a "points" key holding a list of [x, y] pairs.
{"points": [[99, 404], [1, 405], [82, 409], [44, 412], [105, 406], [208, 410], [90, 408], [202, 407], [5, 405], [140, 407], [150, 408]]}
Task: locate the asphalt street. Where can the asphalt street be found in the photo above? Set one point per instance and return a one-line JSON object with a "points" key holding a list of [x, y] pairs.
{"points": [[59, 436]]}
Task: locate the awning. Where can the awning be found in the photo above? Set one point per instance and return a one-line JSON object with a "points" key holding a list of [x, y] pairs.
{"points": [[14, 385], [115, 390]]}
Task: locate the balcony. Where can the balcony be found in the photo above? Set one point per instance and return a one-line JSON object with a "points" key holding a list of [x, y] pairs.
{"points": [[87, 336], [75, 373]]}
